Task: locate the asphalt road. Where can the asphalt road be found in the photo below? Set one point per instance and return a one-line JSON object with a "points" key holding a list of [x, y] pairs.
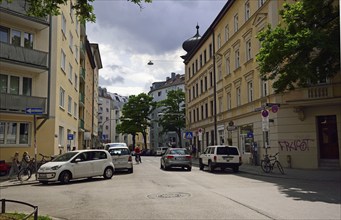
{"points": [[151, 193]]}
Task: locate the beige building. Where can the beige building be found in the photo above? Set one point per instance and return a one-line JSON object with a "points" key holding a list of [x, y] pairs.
{"points": [[226, 98], [48, 85], [24, 77]]}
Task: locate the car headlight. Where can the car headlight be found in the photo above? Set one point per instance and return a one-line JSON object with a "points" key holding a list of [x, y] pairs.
{"points": [[56, 167]]}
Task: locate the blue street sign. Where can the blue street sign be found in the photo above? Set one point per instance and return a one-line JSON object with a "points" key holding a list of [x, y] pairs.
{"points": [[70, 137], [189, 135], [34, 111], [249, 134]]}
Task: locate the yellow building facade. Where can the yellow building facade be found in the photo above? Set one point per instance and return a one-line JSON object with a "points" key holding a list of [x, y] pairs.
{"points": [[226, 97]]}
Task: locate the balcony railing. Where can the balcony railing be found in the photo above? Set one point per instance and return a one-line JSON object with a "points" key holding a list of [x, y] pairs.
{"points": [[82, 73], [23, 55], [318, 92], [19, 103], [81, 124], [81, 98]]}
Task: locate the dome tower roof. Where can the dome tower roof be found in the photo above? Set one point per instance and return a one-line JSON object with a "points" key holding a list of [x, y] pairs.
{"points": [[190, 43]]}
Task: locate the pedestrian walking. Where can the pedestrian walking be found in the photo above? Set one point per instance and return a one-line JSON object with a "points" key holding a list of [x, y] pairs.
{"points": [[14, 166]]}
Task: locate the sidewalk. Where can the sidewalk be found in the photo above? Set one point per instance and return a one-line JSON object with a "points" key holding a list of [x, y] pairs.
{"points": [[5, 182], [324, 175]]}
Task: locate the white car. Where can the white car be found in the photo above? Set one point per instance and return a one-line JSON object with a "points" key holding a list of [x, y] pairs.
{"points": [[75, 165], [161, 151], [221, 156], [121, 158], [108, 145]]}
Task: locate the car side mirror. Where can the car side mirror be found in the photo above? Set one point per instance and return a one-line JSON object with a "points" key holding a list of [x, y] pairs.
{"points": [[78, 160]]}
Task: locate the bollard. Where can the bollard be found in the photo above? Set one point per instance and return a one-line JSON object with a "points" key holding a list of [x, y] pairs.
{"points": [[3, 206]]}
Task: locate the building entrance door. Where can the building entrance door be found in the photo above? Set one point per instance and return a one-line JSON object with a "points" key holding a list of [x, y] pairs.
{"points": [[328, 137]]}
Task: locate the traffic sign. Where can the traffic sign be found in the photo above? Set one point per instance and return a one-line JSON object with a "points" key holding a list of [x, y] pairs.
{"points": [[265, 113], [34, 111], [189, 135], [274, 108], [70, 137]]}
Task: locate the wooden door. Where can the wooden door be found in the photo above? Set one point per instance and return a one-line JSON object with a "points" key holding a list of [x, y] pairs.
{"points": [[328, 137]]}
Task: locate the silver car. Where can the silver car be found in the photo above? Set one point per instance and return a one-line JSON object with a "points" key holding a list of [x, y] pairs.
{"points": [[121, 158], [176, 157]]}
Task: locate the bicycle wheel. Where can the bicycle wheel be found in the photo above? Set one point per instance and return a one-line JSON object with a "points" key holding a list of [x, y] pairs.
{"points": [[266, 166], [24, 174], [279, 166]]}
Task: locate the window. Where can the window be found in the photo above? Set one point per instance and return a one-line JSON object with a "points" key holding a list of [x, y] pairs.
{"points": [[211, 79], [261, 3], [229, 101], [63, 24], [76, 82], [202, 112], [16, 38], [61, 97], [205, 56], [247, 10], [70, 72], [76, 54], [159, 93], [4, 34], [205, 83], [248, 50], [71, 10], [219, 72], [15, 85], [201, 87], [219, 41], [220, 101], [206, 110], [69, 105], [201, 61], [238, 101], [28, 40], [77, 26], [61, 136], [210, 51], [212, 109], [189, 95], [75, 109], [62, 60], [227, 33], [235, 22], [250, 91], [264, 88], [237, 59], [227, 66], [70, 41], [14, 133]]}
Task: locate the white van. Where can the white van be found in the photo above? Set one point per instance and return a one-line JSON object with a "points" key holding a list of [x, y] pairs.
{"points": [[161, 150]]}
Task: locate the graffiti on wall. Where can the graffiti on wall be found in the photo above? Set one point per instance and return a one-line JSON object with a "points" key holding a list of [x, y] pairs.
{"points": [[295, 145]]}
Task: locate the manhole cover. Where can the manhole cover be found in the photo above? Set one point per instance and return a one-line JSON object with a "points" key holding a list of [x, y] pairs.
{"points": [[169, 195]]}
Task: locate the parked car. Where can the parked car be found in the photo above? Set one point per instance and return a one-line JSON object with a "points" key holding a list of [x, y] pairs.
{"points": [[121, 158], [221, 156], [75, 165], [161, 150], [4, 168], [176, 157], [108, 145]]}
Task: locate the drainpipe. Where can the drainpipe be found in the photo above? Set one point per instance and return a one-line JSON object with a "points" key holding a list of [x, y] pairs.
{"points": [[214, 91]]}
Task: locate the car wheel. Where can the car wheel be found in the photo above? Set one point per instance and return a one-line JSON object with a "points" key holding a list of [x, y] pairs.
{"points": [[189, 169], [161, 167], [131, 170], [108, 173], [65, 177], [210, 167], [201, 165]]}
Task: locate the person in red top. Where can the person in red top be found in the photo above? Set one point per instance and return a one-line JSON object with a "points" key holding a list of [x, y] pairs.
{"points": [[138, 154]]}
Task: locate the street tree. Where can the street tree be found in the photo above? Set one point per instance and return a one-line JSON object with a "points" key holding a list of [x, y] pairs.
{"points": [[135, 116], [83, 8], [304, 48], [172, 117]]}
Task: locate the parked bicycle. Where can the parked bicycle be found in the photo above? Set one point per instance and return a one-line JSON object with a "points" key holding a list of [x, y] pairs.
{"points": [[26, 172], [269, 162]]}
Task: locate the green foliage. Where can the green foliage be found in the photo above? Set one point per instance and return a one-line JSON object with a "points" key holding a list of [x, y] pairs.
{"points": [[173, 112], [135, 115], [18, 216], [84, 9], [305, 48]]}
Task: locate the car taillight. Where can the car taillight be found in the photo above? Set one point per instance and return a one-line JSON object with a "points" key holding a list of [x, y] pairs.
{"points": [[129, 159], [170, 157], [215, 158], [188, 156]]}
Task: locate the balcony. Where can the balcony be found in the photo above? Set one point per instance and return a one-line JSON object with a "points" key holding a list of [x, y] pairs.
{"points": [[82, 73], [15, 12], [18, 103], [23, 56], [82, 50], [81, 124], [81, 99]]}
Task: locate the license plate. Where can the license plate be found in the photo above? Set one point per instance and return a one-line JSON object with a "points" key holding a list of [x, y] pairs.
{"points": [[179, 158]]}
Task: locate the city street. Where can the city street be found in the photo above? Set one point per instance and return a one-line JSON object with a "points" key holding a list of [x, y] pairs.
{"points": [[152, 193]]}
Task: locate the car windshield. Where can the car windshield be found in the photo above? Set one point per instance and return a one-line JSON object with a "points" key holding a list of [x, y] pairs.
{"points": [[227, 151], [179, 151], [64, 157], [119, 151]]}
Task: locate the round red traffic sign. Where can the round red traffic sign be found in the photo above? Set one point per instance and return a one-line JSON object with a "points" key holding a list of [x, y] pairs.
{"points": [[274, 108], [265, 113]]}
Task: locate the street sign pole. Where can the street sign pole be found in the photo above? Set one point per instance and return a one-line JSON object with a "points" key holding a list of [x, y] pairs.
{"points": [[35, 142]]}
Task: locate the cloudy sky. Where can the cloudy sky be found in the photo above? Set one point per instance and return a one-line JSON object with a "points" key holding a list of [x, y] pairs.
{"points": [[129, 37]]}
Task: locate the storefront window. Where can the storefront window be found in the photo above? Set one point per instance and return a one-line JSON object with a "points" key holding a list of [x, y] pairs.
{"points": [[11, 133], [14, 133], [23, 133], [246, 138]]}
